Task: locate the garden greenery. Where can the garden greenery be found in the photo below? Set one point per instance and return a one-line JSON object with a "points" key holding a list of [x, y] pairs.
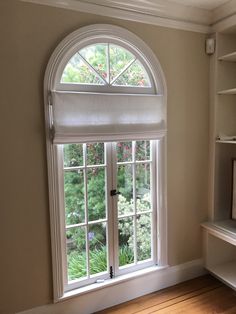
{"points": [[74, 187]]}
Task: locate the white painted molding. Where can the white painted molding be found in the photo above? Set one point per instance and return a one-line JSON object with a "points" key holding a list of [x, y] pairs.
{"points": [[160, 8], [224, 11], [156, 12], [226, 25], [161, 12], [124, 291]]}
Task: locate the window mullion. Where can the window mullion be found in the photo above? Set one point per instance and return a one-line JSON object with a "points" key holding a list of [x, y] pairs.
{"points": [[108, 64], [135, 205], [136, 162], [94, 222], [86, 209], [115, 209], [93, 69], [155, 207], [110, 211], [125, 68], [82, 167]]}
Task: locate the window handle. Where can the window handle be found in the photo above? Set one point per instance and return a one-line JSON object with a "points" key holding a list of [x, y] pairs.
{"points": [[114, 192]]}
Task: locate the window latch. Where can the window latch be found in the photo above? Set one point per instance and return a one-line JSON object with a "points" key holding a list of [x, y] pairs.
{"points": [[114, 193], [111, 272]]}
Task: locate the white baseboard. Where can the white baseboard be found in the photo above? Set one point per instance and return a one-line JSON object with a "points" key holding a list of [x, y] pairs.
{"points": [[94, 301]]}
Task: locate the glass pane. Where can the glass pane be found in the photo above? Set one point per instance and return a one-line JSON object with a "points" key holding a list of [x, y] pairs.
{"points": [[124, 151], [142, 150], [126, 241], [76, 253], [96, 55], [144, 241], [73, 155], [119, 58], [98, 248], [135, 75], [125, 187], [95, 154], [143, 191], [77, 71], [74, 196], [96, 193]]}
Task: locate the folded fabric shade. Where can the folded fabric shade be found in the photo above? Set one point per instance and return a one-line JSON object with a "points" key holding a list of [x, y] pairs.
{"points": [[88, 117]]}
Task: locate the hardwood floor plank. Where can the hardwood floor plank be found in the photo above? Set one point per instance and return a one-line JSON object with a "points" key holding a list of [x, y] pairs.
{"points": [[171, 295], [214, 304], [218, 304], [211, 301], [232, 310], [180, 301]]}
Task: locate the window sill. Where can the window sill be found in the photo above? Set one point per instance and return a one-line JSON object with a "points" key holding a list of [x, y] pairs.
{"points": [[110, 282]]}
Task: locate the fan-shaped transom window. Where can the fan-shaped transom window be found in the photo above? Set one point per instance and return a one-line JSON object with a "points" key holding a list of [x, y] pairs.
{"points": [[105, 64]]}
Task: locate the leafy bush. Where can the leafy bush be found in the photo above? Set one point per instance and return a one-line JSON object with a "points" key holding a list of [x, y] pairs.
{"points": [[126, 255], [74, 185], [143, 227], [77, 71], [98, 261], [76, 265]]}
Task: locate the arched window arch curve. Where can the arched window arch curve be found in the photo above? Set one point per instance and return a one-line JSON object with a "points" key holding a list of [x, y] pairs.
{"points": [[119, 101], [105, 34]]}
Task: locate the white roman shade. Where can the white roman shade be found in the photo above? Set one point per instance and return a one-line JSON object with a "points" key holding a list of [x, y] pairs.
{"points": [[87, 117]]}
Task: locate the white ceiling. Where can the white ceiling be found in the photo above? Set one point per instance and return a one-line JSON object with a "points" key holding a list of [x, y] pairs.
{"points": [[203, 4]]}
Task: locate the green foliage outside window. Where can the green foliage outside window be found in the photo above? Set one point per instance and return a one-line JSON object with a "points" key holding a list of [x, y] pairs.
{"points": [[74, 187], [90, 66]]}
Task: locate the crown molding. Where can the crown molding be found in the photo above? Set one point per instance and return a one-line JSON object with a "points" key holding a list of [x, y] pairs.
{"points": [[224, 11], [227, 25], [158, 8], [156, 12], [224, 18]]}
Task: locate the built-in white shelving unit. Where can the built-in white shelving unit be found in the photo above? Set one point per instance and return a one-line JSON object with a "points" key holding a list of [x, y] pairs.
{"points": [[226, 272], [220, 230]]}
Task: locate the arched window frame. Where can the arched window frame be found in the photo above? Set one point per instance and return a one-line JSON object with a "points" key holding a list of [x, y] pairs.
{"points": [[85, 36]]}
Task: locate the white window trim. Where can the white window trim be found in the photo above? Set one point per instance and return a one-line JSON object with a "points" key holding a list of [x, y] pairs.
{"points": [[61, 53]]}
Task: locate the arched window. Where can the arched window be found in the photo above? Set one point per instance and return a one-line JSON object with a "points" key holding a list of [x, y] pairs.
{"points": [[105, 64], [105, 105]]}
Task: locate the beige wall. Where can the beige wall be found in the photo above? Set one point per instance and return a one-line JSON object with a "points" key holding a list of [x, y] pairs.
{"points": [[28, 35]]}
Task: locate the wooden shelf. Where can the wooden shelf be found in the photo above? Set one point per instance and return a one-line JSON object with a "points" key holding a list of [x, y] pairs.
{"points": [[225, 272], [231, 91], [230, 57]]}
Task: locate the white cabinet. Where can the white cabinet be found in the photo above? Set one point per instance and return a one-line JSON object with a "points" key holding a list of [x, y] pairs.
{"points": [[220, 231]]}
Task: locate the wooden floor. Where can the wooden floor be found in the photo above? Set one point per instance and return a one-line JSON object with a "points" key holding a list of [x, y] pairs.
{"points": [[204, 295]]}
